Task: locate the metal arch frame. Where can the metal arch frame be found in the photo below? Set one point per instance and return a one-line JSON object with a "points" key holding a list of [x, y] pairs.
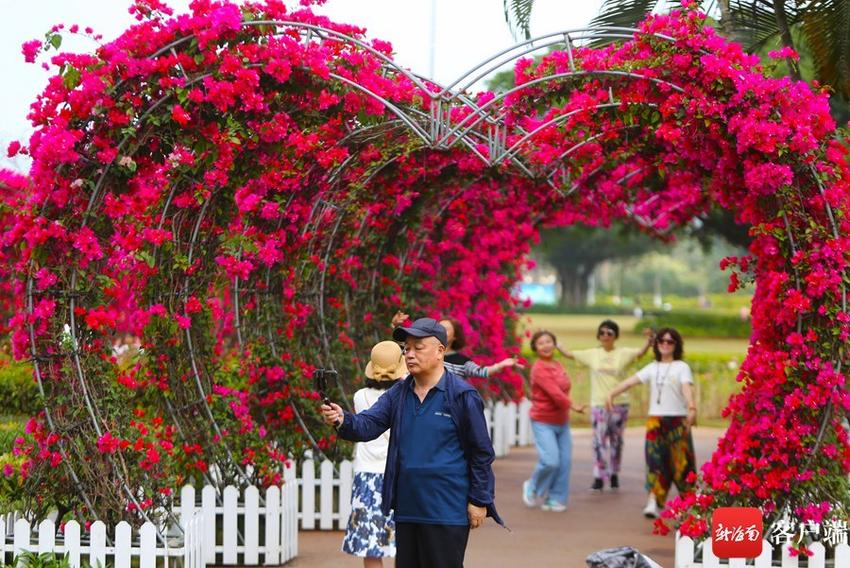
{"points": [[443, 97]]}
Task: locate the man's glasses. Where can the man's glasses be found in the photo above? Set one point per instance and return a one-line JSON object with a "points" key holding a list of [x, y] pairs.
{"points": [[607, 332], [667, 341]]}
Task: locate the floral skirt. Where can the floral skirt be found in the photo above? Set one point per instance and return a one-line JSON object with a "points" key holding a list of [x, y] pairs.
{"points": [[369, 532]]}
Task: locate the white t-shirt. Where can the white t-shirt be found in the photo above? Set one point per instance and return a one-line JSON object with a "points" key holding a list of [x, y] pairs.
{"points": [[370, 457], [666, 379]]}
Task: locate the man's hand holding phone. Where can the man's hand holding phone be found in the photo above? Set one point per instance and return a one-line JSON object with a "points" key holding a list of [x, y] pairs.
{"points": [[332, 414]]}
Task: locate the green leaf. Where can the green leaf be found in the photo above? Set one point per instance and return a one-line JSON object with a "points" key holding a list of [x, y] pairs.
{"points": [[71, 77], [55, 40], [146, 257]]}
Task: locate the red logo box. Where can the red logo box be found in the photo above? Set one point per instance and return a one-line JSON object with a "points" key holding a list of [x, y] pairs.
{"points": [[737, 532]]}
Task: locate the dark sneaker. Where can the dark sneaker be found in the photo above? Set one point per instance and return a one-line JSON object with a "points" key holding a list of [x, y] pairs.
{"points": [[615, 482], [597, 485]]}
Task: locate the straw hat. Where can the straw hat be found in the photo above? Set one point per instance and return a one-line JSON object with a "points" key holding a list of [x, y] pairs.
{"points": [[387, 362]]}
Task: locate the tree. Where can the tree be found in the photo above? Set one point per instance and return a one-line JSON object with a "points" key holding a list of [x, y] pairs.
{"points": [[575, 252], [824, 26]]}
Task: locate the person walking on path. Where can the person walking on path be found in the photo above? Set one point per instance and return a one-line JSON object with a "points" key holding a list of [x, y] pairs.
{"points": [[439, 476], [371, 534], [672, 412], [607, 364], [455, 361], [550, 421]]}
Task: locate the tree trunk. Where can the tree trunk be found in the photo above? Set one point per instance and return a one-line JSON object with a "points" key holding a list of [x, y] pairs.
{"points": [[785, 36], [569, 278], [726, 26], [574, 284]]}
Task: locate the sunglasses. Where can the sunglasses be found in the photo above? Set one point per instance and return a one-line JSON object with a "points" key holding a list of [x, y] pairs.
{"points": [[666, 341], [607, 332]]}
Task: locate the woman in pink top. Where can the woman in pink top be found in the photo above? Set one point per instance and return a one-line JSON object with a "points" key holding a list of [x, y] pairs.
{"points": [[550, 421]]}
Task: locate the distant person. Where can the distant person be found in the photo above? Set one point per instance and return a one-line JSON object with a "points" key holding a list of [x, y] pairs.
{"points": [[607, 364], [439, 476], [672, 412], [455, 361], [371, 534], [460, 364], [549, 485]]}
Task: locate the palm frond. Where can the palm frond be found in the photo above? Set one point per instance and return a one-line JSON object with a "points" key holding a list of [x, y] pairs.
{"points": [[518, 16], [620, 14], [754, 21], [826, 27]]}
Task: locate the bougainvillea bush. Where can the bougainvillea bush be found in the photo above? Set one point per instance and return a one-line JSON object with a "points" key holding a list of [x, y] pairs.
{"points": [[252, 191]]}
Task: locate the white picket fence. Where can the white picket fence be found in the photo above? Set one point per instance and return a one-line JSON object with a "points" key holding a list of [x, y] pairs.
{"points": [[238, 531], [685, 555], [509, 426], [91, 547], [241, 530]]}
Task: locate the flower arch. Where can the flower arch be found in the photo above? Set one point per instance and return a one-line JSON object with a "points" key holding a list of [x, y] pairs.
{"points": [[250, 191]]}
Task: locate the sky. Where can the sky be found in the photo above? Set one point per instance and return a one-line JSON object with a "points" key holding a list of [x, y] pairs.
{"points": [[466, 33]]}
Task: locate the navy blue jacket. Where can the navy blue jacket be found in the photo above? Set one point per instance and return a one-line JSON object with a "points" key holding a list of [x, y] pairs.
{"points": [[467, 410]]}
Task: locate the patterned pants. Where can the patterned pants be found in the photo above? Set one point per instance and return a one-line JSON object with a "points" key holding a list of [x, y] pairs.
{"points": [[608, 438], [669, 455]]}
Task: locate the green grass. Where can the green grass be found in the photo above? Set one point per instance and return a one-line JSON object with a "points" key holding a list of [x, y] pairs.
{"points": [[714, 361]]}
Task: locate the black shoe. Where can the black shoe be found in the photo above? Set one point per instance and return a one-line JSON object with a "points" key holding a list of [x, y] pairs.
{"points": [[597, 485], [615, 483]]}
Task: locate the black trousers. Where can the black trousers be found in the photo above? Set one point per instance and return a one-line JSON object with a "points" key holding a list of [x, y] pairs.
{"points": [[430, 546]]}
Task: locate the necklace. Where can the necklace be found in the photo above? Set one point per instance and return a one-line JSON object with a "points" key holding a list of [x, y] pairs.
{"points": [[659, 384]]}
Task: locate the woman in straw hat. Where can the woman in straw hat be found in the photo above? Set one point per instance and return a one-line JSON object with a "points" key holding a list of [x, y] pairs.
{"points": [[371, 535]]}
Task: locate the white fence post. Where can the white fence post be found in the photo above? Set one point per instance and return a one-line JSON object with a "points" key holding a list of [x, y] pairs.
{"points": [[524, 428], [252, 526], [308, 495], [499, 429], [72, 543], [46, 536], [22, 536], [684, 550], [818, 557], [229, 524], [187, 505], [147, 546], [273, 518], [97, 548], [210, 518], [326, 495], [765, 558], [789, 561], [512, 434], [123, 542], [291, 511]]}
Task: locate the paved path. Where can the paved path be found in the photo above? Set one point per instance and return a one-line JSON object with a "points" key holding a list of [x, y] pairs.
{"points": [[542, 539]]}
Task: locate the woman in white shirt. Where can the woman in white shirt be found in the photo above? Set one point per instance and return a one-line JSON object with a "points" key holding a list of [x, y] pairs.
{"points": [[669, 445], [370, 535]]}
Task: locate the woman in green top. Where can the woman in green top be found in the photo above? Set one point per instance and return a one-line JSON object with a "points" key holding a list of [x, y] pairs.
{"points": [[607, 364]]}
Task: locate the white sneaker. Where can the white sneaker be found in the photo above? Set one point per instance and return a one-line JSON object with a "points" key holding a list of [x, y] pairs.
{"points": [[651, 509], [553, 506], [528, 496]]}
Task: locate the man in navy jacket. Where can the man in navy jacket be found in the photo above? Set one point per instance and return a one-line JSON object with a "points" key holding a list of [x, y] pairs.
{"points": [[439, 476]]}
